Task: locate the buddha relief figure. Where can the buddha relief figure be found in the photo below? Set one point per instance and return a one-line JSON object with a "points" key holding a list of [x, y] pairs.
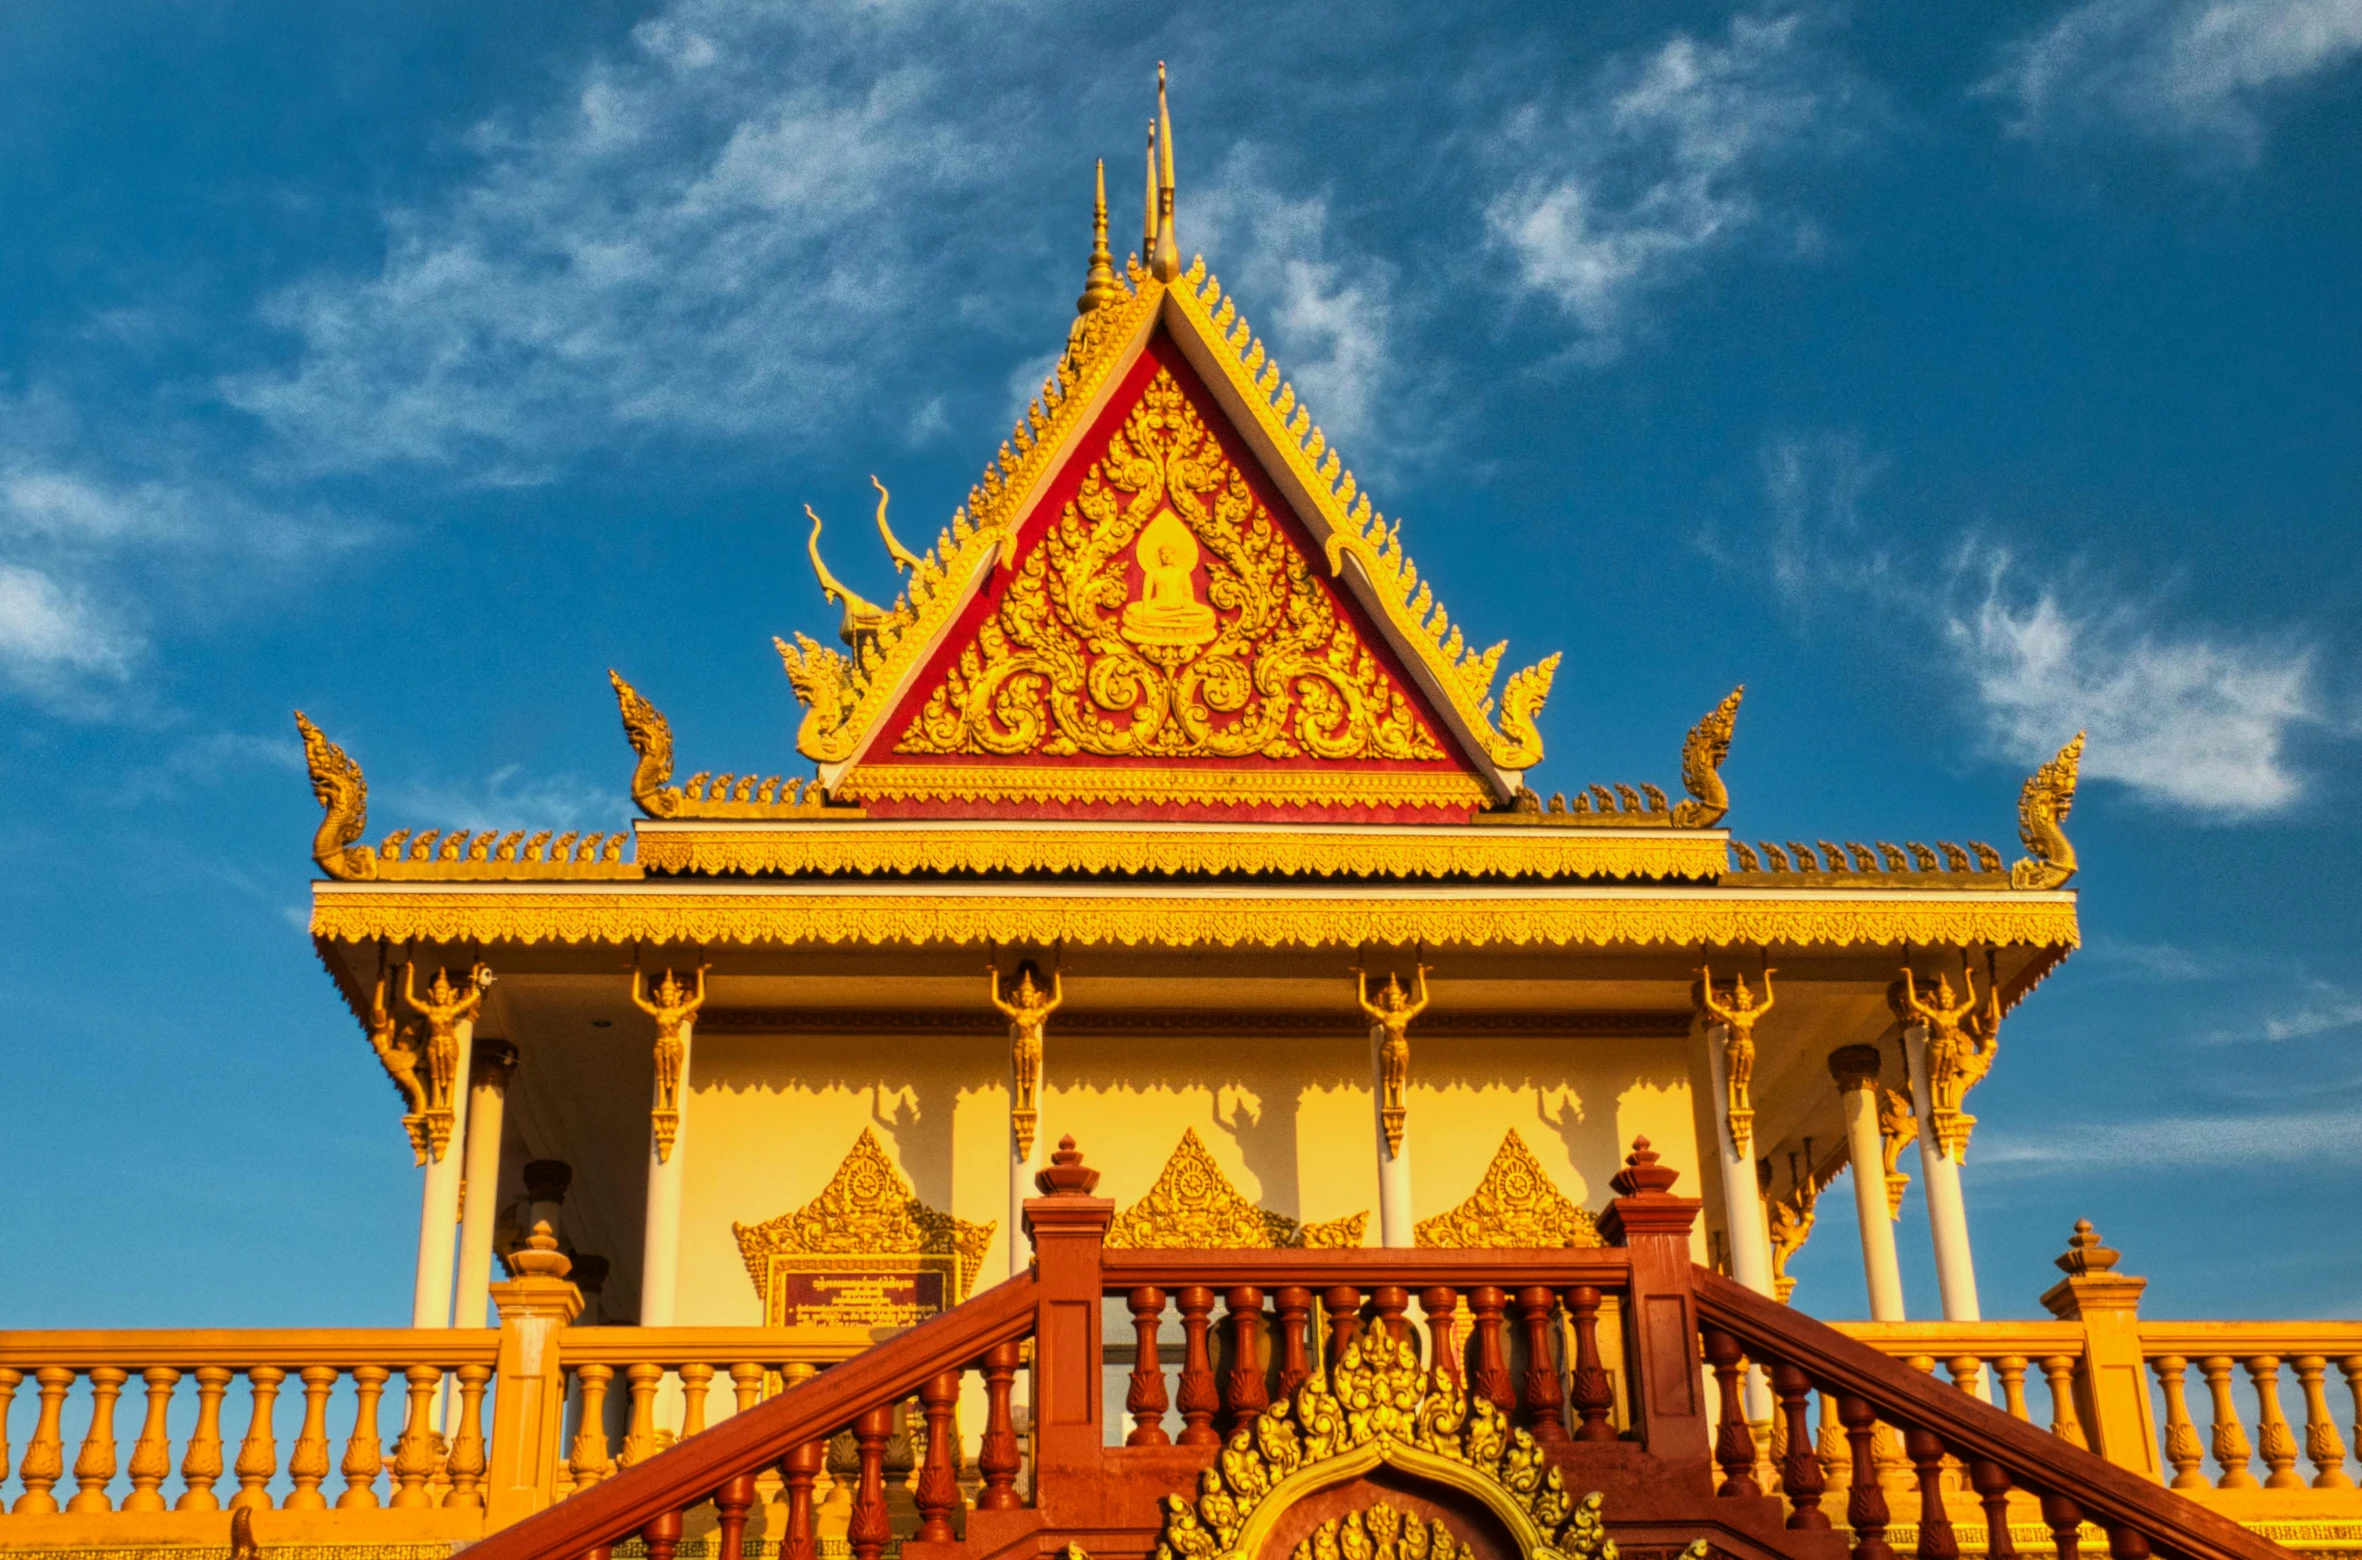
{"points": [[1168, 611]]}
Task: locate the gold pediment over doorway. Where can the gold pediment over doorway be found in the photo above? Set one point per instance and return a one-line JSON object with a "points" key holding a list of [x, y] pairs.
{"points": [[1515, 1205], [867, 1238], [1194, 1206]]}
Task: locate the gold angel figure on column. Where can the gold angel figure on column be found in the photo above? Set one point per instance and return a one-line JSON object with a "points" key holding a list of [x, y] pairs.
{"points": [[446, 1007], [397, 1051], [1961, 1039], [674, 1007], [1392, 1012], [1789, 1222], [1739, 1017], [1029, 1015]]}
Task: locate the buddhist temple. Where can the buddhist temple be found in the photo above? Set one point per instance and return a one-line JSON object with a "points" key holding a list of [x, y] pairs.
{"points": [[1161, 1062]]}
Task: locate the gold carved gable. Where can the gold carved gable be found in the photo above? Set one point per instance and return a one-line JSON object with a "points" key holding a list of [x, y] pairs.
{"points": [[1194, 1206], [1516, 1204], [866, 1210]]}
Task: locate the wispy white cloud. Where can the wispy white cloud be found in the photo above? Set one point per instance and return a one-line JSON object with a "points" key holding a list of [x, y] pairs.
{"points": [[508, 798], [2193, 68], [1655, 165], [2316, 1007], [51, 636], [2322, 1137], [2197, 720]]}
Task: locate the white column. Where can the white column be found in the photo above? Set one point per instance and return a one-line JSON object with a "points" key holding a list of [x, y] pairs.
{"points": [[1395, 1225], [1947, 1215], [491, 1064], [438, 1210], [1021, 1171], [1742, 1201], [660, 1240], [1856, 1070]]}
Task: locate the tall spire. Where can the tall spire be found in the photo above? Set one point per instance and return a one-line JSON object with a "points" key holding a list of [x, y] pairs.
{"points": [[1148, 210], [1100, 286], [1167, 264]]}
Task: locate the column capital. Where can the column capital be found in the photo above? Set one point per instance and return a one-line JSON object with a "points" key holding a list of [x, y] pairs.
{"points": [[491, 1063], [1855, 1067]]}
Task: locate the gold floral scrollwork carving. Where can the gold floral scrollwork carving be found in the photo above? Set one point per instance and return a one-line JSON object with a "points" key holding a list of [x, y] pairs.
{"points": [[1897, 1126], [1028, 1007], [1193, 1205], [1107, 644], [867, 1209], [1738, 1017], [445, 1008], [343, 796], [674, 1007], [1391, 1016], [1516, 1204], [1375, 1407], [2043, 804]]}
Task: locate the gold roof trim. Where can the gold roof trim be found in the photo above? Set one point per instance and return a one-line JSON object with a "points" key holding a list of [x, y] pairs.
{"points": [[1194, 1206], [847, 696], [1516, 1204], [1341, 787], [884, 847], [704, 794], [866, 1209], [1170, 915]]}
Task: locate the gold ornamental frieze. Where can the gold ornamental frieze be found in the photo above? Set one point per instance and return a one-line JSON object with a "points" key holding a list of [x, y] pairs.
{"points": [[1375, 1408], [865, 1253], [1194, 1206], [1516, 1205]]}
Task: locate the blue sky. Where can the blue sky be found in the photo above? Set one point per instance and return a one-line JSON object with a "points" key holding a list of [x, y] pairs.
{"points": [[1957, 379]]}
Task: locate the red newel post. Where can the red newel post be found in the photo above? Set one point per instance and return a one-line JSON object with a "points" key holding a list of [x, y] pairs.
{"points": [[1069, 1227], [1661, 1323]]}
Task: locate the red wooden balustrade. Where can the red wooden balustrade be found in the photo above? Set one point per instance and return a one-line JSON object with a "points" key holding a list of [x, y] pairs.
{"points": [[1522, 1328]]}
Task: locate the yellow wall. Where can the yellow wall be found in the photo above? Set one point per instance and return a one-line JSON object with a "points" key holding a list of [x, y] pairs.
{"points": [[1289, 1120]]}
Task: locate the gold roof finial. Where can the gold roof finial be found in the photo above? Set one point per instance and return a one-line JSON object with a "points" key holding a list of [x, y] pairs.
{"points": [[1148, 208], [1100, 286], [861, 616], [1167, 264], [903, 557]]}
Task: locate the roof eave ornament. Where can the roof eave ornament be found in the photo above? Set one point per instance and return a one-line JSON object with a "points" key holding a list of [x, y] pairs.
{"points": [[2043, 804], [1702, 753], [343, 796], [651, 737]]}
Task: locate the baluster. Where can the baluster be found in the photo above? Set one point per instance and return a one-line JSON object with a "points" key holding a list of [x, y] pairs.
{"points": [[639, 1441], [151, 1454], [94, 1466], [1936, 1539], [466, 1462], [1244, 1391], [866, 1534], [1485, 1307], [9, 1381], [1390, 1307], [1800, 1469], [662, 1535], [1146, 1401], [589, 1459], [2181, 1437], [1966, 1371], [1295, 1357], [1865, 1502], [997, 1456], [200, 1465], [307, 1465], [2059, 1371], [1594, 1396], [45, 1455], [2230, 1439], [1991, 1482], [1543, 1404], [2065, 1519], [364, 1454], [1198, 1397], [798, 1471], [258, 1454], [1442, 1309], [415, 1453], [2126, 1542], [1343, 1307], [2011, 1368], [732, 1502], [938, 1493], [1835, 1456], [1734, 1448], [746, 1384], [2351, 1368], [2278, 1446], [696, 1382]]}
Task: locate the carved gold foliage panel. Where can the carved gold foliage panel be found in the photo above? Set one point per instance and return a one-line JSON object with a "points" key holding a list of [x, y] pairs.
{"points": [[867, 1209], [1166, 613], [1193, 1206], [1515, 1205]]}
